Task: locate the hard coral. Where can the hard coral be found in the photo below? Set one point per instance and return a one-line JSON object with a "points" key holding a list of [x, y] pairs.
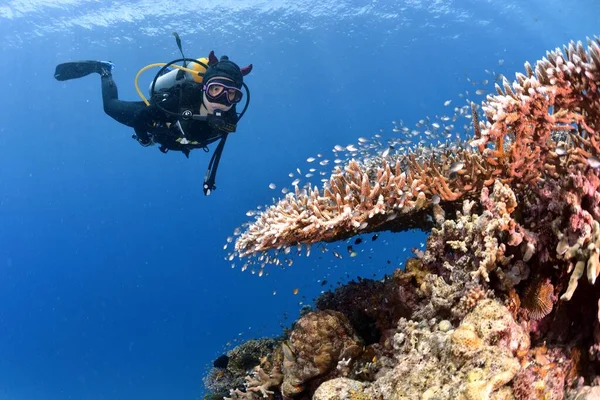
{"points": [[472, 362], [372, 307], [318, 341]]}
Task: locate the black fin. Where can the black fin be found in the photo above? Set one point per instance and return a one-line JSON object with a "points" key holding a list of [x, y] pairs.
{"points": [[79, 69]]}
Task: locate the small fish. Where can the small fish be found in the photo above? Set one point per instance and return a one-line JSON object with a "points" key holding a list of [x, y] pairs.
{"points": [[456, 166], [295, 182], [295, 291], [480, 92], [272, 186], [310, 159], [288, 353], [221, 361], [447, 103], [593, 162], [324, 282], [358, 241], [338, 255], [435, 199], [385, 152], [561, 151], [374, 238]]}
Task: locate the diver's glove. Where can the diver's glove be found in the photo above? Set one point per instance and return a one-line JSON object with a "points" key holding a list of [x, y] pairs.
{"points": [[144, 119], [143, 138], [217, 121], [208, 188]]}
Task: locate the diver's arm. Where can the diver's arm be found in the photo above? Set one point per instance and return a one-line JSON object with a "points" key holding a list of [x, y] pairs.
{"points": [[211, 172], [143, 121]]}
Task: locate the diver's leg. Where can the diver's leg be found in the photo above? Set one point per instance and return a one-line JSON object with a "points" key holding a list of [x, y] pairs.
{"points": [[125, 112], [120, 110]]}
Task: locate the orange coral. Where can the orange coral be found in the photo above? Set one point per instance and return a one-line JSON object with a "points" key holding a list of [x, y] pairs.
{"points": [[539, 299]]}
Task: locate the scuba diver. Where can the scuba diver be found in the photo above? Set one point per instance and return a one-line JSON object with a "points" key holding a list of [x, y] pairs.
{"points": [[190, 106]]}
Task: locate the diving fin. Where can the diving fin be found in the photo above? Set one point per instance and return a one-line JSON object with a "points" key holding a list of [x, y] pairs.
{"points": [[79, 69]]}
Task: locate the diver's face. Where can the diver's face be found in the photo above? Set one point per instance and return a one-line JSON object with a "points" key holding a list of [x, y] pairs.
{"points": [[215, 92]]}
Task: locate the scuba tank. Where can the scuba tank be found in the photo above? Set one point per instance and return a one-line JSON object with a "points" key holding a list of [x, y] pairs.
{"points": [[175, 75]]}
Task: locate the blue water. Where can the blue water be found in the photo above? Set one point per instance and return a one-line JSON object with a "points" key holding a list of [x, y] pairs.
{"points": [[113, 277]]}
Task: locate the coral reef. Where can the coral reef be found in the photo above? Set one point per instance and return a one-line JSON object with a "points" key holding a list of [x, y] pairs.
{"points": [[241, 371], [495, 307], [480, 357]]}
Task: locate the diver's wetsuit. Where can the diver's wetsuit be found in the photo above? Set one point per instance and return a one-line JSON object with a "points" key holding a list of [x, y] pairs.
{"points": [[122, 111], [150, 120]]}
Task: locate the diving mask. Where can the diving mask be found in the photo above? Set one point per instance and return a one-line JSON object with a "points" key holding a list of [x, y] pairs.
{"points": [[219, 92]]}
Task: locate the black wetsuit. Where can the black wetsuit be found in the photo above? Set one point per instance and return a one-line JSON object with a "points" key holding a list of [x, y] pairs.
{"points": [[163, 127], [171, 131]]}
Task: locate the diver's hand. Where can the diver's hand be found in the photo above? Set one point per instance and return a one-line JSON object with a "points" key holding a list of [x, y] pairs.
{"points": [[145, 139], [218, 122], [208, 188]]}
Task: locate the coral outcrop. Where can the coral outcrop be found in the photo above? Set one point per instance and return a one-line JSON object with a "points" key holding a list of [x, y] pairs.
{"points": [[502, 303]]}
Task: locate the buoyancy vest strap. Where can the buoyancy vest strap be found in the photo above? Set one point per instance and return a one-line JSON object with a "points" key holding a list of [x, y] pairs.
{"points": [[211, 173]]}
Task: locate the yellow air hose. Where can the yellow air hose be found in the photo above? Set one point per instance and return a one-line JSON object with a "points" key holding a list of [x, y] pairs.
{"points": [[147, 67]]}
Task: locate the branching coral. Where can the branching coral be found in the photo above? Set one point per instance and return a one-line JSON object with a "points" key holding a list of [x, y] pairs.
{"points": [[542, 126], [258, 383]]}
